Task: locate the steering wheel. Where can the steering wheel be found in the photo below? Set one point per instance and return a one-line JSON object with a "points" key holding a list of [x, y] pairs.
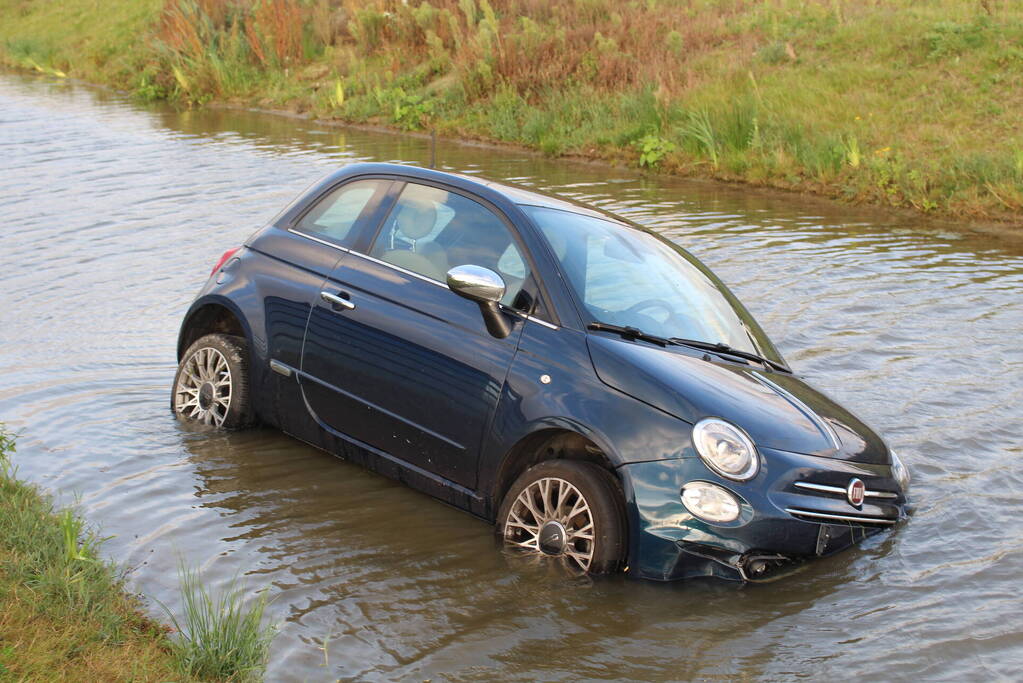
{"points": [[684, 323], [645, 304]]}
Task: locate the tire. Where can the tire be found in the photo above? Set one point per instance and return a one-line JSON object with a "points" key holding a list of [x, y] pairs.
{"points": [[567, 482], [211, 385]]}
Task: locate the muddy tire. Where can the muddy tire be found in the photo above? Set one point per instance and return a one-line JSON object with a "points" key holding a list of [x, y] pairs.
{"points": [[211, 385], [570, 510]]}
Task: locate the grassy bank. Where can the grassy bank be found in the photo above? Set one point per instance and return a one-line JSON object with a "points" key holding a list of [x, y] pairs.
{"points": [[64, 614], [895, 102]]}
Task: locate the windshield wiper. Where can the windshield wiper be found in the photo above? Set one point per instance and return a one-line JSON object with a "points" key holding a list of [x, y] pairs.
{"points": [[630, 333], [720, 347]]}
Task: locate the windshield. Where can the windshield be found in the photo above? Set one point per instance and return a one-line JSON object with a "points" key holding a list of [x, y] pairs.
{"points": [[628, 277]]}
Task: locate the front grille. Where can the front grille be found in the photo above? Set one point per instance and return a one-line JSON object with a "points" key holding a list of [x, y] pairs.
{"points": [[831, 492], [838, 490], [816, 516]]}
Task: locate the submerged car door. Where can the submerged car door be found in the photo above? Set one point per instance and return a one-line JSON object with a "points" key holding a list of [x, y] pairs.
{"points": [[398, 361]]}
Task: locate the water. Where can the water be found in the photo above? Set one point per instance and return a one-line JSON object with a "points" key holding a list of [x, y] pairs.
{"points": [[114, 215]]}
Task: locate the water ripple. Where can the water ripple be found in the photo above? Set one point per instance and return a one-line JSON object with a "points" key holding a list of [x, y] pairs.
{"points": [[114, 216]]}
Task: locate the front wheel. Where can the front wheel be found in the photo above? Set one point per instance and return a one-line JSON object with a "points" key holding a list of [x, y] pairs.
{"points": [[211, 385], [569, 510]]}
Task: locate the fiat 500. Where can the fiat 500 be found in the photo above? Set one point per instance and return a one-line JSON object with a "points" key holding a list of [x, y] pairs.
{"points": [[586, 385]]}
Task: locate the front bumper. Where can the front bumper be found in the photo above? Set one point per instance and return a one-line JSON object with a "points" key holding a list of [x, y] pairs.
{"points": [[780, 523]]}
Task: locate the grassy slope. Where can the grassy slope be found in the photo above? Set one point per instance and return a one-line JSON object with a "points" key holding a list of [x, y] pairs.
{"points": [[98, 40], [63, 614], [912, 104]]}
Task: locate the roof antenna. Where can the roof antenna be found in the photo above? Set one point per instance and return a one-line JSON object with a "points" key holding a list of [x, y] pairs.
{"points": [[433, 148]]}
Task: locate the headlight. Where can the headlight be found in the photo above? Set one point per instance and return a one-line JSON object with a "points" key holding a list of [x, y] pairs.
{"points": [[710, 502], [900, 471], [726, 449]]}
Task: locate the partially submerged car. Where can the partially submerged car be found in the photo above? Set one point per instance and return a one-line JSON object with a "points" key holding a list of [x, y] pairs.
{"points": [[586, 385]]}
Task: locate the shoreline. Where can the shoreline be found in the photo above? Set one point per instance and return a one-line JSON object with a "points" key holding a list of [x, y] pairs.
{"points": [[910, 110], [1007, 232], [66, 613]]}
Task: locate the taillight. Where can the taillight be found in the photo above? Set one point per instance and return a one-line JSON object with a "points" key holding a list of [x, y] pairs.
{"points": [[223, 259]]}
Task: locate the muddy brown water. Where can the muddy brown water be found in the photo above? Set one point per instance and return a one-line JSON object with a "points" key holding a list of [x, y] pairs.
{"points": [[113, 215]]}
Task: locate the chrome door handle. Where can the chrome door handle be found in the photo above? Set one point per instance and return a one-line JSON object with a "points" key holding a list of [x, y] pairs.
{"points": [[337, 300]]}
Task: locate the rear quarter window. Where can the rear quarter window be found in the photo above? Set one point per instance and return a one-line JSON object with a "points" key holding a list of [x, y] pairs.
{"points": [[335, 215]]}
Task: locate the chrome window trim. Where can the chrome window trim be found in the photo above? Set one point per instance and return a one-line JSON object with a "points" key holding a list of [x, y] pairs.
{"points": [[841, 491], [546, 324], [323, 242], [414, 274], [841, 518], [444, 285]]}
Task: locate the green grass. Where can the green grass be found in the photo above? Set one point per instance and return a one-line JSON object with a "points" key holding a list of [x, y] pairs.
{"points": [[64, 614], [902, 103], [220, 637]]}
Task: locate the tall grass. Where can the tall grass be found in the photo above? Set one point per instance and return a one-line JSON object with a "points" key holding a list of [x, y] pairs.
{"points": [[7, 447], [221, 637], [700, 131]]}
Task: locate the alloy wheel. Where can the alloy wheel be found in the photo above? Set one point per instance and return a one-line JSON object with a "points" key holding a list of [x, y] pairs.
{"points": [[551, 517], [204, 387]]}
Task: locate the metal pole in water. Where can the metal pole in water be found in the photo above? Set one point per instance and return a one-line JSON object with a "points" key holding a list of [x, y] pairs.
{"points": [[433, 148]]}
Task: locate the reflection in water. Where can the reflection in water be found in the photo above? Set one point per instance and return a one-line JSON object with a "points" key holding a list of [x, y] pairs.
{"points": [[114, 216]]}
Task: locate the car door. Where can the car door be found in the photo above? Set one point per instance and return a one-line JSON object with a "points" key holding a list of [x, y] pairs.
{"points": [[400, 363]]}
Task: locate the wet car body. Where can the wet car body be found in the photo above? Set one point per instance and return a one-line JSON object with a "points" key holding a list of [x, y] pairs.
{"points": [[390, 369], [797, 506]]}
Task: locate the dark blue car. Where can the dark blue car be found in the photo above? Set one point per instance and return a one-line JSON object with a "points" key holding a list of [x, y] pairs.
{"points": [[588, 386]]}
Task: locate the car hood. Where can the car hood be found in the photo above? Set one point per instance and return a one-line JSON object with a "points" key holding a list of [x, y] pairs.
{"points": [[777, 410]]}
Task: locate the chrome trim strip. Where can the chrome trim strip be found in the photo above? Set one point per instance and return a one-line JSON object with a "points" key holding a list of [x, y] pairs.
{"points": [[412, 274], [444, 285], [841, 491], [542, 322], [820, 487], [368, 258], [323, 242], [400, 269], [841, 518]]}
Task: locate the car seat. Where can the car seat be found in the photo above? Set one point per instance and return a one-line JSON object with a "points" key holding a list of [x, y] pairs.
{"points": [[415, 220]]}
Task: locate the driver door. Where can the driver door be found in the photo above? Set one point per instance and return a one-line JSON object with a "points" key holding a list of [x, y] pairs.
{"points": [[404, 365]]}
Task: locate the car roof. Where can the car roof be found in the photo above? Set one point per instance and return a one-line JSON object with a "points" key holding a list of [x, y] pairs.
{"points": [[516, 194]]}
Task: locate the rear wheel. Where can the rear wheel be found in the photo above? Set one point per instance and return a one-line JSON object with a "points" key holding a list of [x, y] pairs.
{"points": [[211, 385], [567, 510]]}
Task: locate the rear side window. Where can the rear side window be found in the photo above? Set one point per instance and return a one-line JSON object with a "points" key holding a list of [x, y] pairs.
{"points": [[335, 215], [430, 230]]}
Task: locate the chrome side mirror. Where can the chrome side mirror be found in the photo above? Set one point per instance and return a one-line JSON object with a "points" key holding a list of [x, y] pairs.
{"points": [[486, 288], [476, 283]]}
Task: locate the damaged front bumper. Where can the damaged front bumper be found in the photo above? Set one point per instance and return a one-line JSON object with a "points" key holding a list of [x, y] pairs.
{"points": [[794, 509]]}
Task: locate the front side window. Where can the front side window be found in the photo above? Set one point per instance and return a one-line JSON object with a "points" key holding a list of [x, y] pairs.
{"points": [[430, 230], [336, 214], [627, 277]]}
